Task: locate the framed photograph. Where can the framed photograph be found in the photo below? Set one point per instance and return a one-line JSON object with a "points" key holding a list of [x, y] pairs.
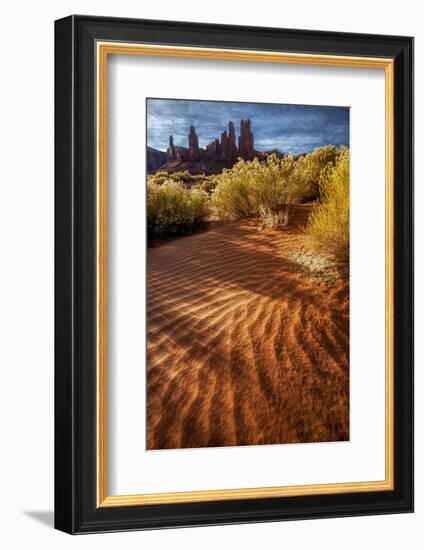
{"points": [[234, 274]]}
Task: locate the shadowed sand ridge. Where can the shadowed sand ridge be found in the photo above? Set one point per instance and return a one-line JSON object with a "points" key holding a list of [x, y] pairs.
{"points": [[242, 348]]}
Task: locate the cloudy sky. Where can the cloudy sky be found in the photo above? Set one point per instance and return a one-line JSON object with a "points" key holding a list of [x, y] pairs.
{"points": [[289, 128]]}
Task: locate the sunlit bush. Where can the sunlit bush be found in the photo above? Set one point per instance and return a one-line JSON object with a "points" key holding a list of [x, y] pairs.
{"points": [[329, 222], [309, 168], [179, 201], [184, 177], [207, 183], [249, 185], [172, 208]]}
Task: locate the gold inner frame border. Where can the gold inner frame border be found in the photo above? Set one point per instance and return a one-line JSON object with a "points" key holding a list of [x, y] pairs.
{"points": [[103, 50]]}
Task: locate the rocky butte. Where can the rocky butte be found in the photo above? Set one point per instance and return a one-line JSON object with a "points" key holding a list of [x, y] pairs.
{"points": [[224, 148], [218, 154]]}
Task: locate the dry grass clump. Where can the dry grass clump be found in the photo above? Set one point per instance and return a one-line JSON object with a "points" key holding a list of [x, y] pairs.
{"points": [[274, 219], [321, 268], [329, 222], [174, 209]]}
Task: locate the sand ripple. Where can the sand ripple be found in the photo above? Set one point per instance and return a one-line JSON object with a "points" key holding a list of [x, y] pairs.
{"points": [[243, 349]]}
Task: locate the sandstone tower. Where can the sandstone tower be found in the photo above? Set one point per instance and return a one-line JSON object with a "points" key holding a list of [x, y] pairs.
{"points": [[246, 147], [232, 147], [193, 145], [213, 150], [224, 145], [171, 150], [223, 149]]}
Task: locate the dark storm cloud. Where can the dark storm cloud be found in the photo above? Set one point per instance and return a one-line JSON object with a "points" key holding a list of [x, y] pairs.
{"points": [[289, 128]]}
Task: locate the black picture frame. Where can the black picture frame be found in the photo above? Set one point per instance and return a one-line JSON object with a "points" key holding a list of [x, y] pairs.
{"points": [[76, 510]]}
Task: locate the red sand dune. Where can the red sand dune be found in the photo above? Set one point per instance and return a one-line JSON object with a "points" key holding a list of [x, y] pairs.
{"points": [[243, 348]]}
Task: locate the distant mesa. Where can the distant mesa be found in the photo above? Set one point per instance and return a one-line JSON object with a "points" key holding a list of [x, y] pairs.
{"points": [[155, 159], [218, 154]]}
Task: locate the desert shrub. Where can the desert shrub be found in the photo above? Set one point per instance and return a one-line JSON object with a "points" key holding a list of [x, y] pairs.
{"points": [[159, 177], [310, 167], [189, 180], [186, 178], [207, 183], [249, 185], [329, 222], [244, 189], [172, 208], [274, 219]]}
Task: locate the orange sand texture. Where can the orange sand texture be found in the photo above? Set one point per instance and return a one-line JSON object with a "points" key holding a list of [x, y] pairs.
{"points": [[243, 348]]}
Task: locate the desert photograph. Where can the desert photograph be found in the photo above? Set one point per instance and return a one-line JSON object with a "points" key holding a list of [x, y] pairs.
{"points": [[247, 273]]}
